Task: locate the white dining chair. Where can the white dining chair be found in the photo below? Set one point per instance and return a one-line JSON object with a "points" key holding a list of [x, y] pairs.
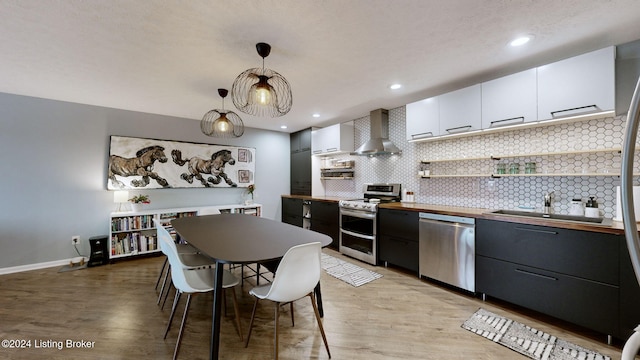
{"points": [[188, 255], [296, 277], [190, 281]]}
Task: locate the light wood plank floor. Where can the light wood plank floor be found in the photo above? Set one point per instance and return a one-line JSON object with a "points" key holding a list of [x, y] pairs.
{"points": [[396, 317]]}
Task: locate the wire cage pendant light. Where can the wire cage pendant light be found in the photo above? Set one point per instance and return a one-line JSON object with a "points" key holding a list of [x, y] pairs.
{"points": [[262, 91], [222, 123]]}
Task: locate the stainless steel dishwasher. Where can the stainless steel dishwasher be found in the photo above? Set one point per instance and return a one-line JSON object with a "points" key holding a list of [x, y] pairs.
{"points": [[447, 249]]}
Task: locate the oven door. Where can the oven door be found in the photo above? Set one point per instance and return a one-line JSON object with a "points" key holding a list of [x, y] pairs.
{"points": [[358, 235]]}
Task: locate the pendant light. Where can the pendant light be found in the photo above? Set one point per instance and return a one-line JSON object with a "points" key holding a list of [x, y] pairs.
{"points": [[220, 122], [262, 91]]}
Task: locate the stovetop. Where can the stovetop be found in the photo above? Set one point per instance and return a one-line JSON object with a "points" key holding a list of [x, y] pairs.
{"points": [[373, 195], [366, 204]]}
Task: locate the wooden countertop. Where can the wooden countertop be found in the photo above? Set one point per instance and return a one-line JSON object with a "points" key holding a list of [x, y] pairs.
{"points": [[616, 227], [316, 198]]}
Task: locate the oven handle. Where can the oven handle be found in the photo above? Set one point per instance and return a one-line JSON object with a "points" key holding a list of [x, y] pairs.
{"points": [[358, 214], [355, 234]]}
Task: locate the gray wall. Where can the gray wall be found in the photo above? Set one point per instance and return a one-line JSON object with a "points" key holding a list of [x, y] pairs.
{"points": [[53, 161]]}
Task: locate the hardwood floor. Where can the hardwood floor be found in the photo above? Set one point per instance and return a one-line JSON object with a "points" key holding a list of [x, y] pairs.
{"points": [[114, 308]]}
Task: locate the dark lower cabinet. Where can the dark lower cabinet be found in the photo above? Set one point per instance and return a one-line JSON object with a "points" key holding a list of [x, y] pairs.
{"points": [[398, 238], [578, 276], [292, 211], [325, 219], [586, 303]]}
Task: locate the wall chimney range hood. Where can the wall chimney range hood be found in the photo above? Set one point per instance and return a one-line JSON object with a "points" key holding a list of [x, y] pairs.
{"points": [[378, 143]]}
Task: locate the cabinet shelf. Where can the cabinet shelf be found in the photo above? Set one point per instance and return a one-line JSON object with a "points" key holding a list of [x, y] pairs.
{"points": [[133, 233], [522, 175], [337, 173], [524, 155]]}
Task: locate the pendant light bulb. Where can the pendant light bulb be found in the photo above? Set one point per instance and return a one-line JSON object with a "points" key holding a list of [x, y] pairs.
{"points": [[263, 95], [222, 124]]}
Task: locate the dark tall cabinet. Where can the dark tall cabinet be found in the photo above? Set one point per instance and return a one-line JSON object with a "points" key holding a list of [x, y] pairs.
{"points": [[301, 162]]}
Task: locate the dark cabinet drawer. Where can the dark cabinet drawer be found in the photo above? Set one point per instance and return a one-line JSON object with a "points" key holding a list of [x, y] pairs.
{"points": [[398, 223], [587, 303], [296, 220], [399, 251], [583, 254], [324, 219], [292, 206]]}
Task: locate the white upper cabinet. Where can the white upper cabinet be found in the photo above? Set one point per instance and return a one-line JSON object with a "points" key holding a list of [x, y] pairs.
{"points": [[423, 119], [510, 100], [460, 110], [577, 85], [332, 139]]}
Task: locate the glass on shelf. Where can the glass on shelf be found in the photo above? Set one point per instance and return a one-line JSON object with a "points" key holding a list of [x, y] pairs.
{"points": [[501, 168], [530, 168], [514, 168]]}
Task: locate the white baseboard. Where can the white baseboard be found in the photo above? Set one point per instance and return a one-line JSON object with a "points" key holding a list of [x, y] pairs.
{"points": [[38, 266]]}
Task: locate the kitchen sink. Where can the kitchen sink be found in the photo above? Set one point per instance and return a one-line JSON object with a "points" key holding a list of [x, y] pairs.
{"points": [[571, 218]]}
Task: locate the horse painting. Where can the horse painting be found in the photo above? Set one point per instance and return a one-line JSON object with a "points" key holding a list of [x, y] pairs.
{"points": [[141, 165], [198, 166]]}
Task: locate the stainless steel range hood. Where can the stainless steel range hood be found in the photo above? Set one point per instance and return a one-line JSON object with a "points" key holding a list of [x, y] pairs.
{"points": [[378, 143]]}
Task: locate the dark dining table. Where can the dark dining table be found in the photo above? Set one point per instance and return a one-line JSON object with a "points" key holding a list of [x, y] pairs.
{"points": [[239, 239]]}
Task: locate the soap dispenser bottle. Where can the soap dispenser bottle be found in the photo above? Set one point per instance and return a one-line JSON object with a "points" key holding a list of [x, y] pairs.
{"points": [[592, 208]]}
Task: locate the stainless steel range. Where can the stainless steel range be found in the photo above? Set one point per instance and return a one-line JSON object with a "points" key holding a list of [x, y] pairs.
{"points": [[358, 221]]}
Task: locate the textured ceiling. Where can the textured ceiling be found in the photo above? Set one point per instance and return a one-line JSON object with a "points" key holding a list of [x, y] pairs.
{"points": [[169, 57]]}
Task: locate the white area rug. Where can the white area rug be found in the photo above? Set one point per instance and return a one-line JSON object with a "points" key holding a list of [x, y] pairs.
{"points": [[526, 340], [347, 272]]}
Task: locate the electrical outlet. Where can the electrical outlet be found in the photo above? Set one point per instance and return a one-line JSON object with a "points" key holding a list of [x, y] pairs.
{"points": [[75, 239]]}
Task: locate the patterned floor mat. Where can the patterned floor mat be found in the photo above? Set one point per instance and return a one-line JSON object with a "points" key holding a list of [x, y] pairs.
{"points": [[347, 272], [526, 340]]}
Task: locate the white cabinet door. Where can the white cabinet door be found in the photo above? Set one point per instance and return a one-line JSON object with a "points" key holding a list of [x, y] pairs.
{"points": [[317, 141], [423, 119], [510, 100], [581, 84], [460, 110], [332, 139]]}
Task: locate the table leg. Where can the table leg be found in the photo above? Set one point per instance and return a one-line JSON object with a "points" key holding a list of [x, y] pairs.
{"points": [[319, 299], [215, 320]]}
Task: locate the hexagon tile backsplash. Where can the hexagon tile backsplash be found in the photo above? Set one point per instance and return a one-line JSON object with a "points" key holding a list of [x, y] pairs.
{"points": [[497, 193]]}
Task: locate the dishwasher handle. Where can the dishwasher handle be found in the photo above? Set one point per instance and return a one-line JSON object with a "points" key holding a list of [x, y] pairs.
{"points": [[447, 218]]}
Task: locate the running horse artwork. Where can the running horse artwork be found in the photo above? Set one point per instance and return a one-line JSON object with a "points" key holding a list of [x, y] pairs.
{"points": [[141, 165], [198, 166]]}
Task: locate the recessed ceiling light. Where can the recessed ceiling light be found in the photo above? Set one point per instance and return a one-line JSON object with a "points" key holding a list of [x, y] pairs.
{"points": [[395, 86], [521, 40], [316, 115], [283, 126]]}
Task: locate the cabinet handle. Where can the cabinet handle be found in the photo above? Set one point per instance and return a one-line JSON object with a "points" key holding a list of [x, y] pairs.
{"points": [[497, 123], [317, 151], [332, 149], [422, 135], [594, 107], [537, 231], [459, 129], [536, 275]]}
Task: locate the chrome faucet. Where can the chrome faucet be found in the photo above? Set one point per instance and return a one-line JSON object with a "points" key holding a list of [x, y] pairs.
{"points": [[547, 202]]}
